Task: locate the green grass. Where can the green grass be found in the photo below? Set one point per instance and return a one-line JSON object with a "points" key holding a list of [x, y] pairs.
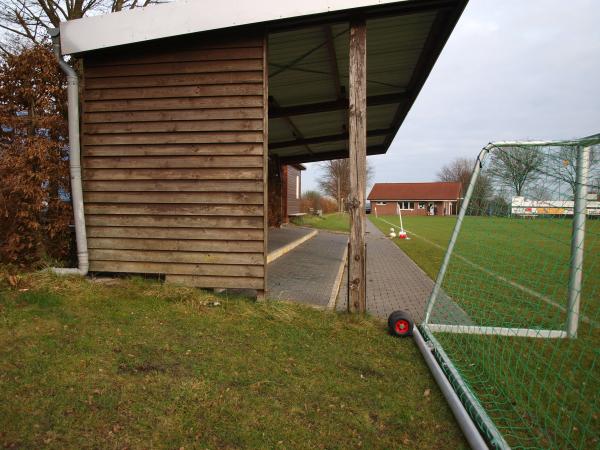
{"points": [[540, 392], [531, 253], [140, 364], [330, 222], [422, 252]]}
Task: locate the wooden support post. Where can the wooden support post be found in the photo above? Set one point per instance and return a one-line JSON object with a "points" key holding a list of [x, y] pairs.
{"points": [[357, 121], [262, 293], [284, 193], [275, 189]]}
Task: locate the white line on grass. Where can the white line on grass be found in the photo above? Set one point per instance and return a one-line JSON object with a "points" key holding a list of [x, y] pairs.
{"points": [[499, 277]]}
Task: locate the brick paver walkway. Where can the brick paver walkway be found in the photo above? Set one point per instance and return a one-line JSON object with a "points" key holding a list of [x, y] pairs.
{"points": [[307, 273], [394, 281], [280, 237]]}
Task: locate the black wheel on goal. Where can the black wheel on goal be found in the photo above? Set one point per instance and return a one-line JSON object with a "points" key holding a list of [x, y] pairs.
{"points": [[400, 324]]}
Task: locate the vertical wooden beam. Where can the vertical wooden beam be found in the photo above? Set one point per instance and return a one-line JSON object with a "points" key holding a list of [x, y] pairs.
{"points": [[357, 124], [284, 192], [262, 293], [335, 72], [275, 184], [333, 65]]}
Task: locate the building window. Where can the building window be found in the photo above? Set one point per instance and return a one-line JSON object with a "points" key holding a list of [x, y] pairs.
{"points": [[297, 187], [380, 203], [406, 205], [422, 205]]}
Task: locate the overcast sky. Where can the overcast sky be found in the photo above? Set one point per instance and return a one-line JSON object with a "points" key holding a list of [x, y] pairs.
{"points": [[512, 69]]}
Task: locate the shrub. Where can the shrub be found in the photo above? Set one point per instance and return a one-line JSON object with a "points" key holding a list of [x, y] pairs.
{"points": [[34, 209], [314, 200], [328, 205], [310, 200]]}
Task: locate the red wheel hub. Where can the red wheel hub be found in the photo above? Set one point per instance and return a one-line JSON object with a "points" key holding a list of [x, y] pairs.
{"points": [[402, 326]]}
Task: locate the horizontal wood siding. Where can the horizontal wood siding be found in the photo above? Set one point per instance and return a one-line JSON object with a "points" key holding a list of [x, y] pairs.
{"points": [[173, 161]]}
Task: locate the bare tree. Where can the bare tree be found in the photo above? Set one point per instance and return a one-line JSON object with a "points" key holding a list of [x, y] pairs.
{"points": [[27, 20], [540, 191], [335, 179], [563, 165], [459, 171], [516, 167]]}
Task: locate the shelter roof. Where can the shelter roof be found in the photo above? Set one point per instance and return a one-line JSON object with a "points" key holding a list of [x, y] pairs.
{"points": [[307, 59]]}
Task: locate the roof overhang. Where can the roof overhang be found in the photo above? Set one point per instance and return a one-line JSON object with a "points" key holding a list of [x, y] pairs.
{"points": [[308, 76], [307, 58], [190, 16]]}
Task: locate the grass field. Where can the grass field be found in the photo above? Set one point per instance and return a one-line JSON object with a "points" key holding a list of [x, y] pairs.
{"points": [[533, 254], [330, 222], [140, 364], [540, 392]]}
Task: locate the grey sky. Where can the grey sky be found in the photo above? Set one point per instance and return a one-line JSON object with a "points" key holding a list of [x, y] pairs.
{"points": [[512, 69]]}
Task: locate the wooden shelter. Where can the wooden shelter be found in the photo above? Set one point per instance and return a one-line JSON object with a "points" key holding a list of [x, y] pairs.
{"points": [[185, 105]]}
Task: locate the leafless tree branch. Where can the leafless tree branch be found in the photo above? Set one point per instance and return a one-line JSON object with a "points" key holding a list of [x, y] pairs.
{"points": [[335, 179]]}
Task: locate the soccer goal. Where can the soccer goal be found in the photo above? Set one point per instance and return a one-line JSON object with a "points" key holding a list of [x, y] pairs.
{"points": [[514, 316]]}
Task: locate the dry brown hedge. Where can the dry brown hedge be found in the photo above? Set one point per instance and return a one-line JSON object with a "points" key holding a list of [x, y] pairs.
{"points": [[34, 210]]}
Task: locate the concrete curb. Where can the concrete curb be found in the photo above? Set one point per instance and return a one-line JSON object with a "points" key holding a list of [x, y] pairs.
{"points": [[289, 247], [347, 233], [332, 304]]}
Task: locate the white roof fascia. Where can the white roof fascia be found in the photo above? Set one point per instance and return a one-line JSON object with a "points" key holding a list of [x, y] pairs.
{"points": [[189, 16]]}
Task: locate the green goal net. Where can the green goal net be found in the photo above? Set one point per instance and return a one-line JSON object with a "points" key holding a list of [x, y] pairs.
{"points": [[514, 317]]}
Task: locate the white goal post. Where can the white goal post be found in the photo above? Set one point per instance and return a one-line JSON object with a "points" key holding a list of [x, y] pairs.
{"points": [[579, 209]]}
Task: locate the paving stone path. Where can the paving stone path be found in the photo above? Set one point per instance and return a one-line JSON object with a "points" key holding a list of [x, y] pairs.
{"points": [[280, 237], [394, 281], [307, 274]]}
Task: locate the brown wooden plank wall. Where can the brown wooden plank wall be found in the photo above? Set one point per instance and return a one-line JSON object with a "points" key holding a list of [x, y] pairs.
{"points": [[173, 161]]}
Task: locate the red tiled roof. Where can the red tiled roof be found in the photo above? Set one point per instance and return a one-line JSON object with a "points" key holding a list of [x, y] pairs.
{"points": [[415, 191]]}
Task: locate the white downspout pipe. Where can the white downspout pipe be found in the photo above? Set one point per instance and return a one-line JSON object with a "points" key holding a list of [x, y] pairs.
{"points": [[74, 162]]}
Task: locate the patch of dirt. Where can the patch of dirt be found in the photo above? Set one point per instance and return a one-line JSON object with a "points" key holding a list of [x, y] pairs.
{"points": [[365, 371], [146, 367]]}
